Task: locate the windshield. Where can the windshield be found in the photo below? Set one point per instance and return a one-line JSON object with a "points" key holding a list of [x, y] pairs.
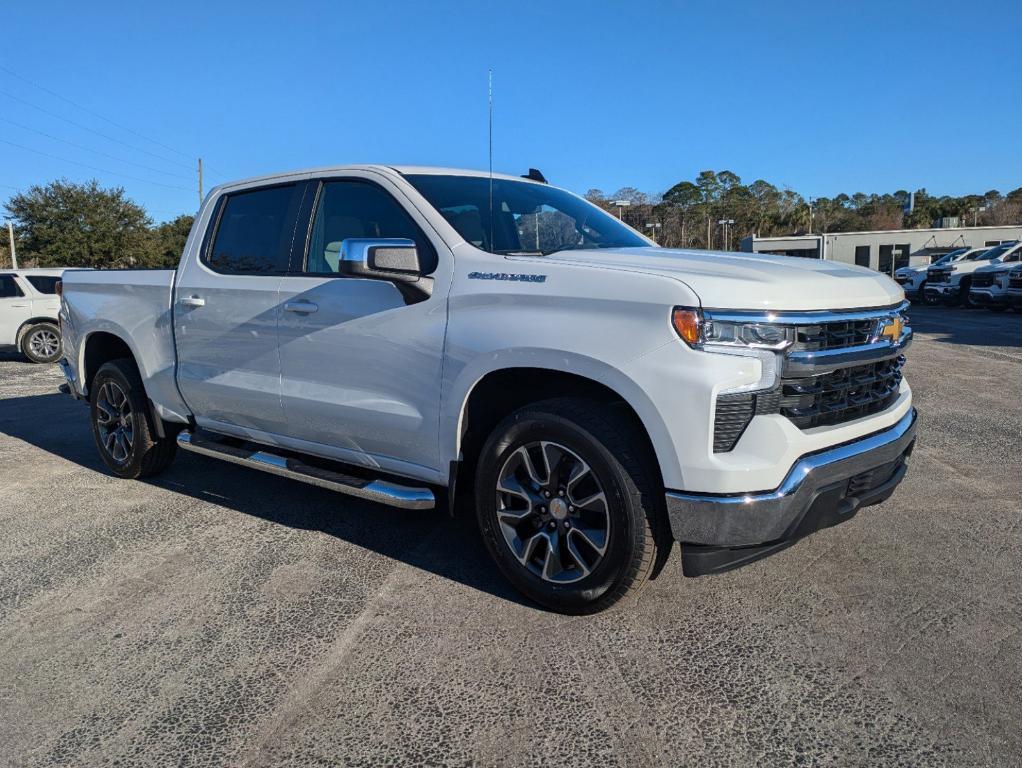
{"points": [[528, 218], [951, 256], [993, 253]]}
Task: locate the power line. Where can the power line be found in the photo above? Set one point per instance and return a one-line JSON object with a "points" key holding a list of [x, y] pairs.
{"points": [[92, 130], [93, 167], [94, 113], [96, 151]]}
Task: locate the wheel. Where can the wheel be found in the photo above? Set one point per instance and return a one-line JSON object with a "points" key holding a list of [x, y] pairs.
{"points": [[121, 427], [41, 343], [963, 296], [569, 506]]}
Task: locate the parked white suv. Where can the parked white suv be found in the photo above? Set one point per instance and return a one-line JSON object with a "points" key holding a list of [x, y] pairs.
{"points": [[402, 334], [951, 283], [28, 312]]}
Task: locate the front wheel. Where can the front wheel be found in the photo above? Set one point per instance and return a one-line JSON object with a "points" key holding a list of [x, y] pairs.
{"points": [[121, 426], [41, 343], [570, 506]]}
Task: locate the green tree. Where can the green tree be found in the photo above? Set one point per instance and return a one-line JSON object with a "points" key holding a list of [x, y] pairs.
{"points": [[82, 225], [168, 242]]}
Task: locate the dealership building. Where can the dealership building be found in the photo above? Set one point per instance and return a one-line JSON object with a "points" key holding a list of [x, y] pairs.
{"points": [[884, 250]]}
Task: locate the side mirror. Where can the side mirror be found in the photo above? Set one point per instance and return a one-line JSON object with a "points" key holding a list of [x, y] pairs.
{"points": [[393, 258]]}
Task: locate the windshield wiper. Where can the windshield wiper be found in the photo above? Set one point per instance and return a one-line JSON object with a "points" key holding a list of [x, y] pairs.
{"points": [[506, 252]]}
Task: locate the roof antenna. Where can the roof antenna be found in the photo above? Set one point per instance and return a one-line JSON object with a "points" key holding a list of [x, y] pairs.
{"points": [[490, 104]]}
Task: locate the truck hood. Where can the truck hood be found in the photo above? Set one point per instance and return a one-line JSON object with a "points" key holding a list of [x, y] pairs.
{"points": [[729, 280]]}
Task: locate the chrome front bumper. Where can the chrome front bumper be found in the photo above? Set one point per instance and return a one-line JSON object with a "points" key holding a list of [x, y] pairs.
{"points": [[820, 490]]}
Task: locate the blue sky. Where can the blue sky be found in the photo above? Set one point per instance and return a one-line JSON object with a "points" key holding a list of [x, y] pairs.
{"points": [[822, 97]]}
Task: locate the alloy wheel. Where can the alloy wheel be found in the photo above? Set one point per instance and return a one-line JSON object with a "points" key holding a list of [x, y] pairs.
{"points": [[115, 422], [44, 343], [553, 512]]}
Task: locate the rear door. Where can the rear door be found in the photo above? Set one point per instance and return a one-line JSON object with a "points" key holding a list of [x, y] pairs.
{"points": [[15, 308], [361, 361], [225, 311], [45, 302]]}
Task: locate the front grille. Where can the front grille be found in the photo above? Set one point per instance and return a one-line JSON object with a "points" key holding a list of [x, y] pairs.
{"points": [[842, 395], [834, 335], [982, 281], [938, 277], [734, 412], [1015, 281]]}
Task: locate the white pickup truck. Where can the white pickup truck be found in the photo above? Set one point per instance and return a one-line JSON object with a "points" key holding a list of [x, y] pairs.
{"points": [[412, 334], [952, 283]]}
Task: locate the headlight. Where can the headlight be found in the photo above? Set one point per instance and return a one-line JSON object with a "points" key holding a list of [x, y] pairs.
{"points": [[700, 331]]}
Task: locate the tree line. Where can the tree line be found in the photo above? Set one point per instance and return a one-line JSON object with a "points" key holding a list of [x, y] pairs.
{"points": [[62, 224], [687, 214], [86, 225]]}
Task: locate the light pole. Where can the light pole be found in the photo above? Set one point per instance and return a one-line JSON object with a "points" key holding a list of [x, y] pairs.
{"points": [[619, 204], [724, 234]]}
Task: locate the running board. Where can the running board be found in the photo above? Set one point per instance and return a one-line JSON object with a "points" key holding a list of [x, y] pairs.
{"points": [[382, 491]]}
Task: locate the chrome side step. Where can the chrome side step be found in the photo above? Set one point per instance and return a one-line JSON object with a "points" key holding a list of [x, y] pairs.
{"points": [[382, 491]]}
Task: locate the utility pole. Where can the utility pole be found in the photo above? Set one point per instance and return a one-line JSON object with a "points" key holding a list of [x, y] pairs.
{"points": [[200, 182], [14, 255]]}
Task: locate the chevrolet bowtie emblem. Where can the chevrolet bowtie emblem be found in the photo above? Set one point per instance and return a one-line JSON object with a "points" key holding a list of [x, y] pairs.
{"points": [[889, 328]]}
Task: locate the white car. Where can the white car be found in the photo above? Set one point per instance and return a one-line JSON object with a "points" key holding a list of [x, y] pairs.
{"points": [[28, 312], [913, 279], [405, 334], [951, 283]]}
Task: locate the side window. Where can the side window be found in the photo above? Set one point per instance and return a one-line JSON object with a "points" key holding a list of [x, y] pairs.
{"points": [[255, 231], [9, 289], [354, 209], [43, 283]]}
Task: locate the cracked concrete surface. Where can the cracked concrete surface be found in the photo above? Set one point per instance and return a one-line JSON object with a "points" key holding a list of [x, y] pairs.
{"points": [[217, 616]]}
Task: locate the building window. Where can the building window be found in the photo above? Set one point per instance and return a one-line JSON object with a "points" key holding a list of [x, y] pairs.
{"points": [[862, 255], [886, 259], [901, 255]]}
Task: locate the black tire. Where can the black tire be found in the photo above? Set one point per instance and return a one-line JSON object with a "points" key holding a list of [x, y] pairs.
{"points": [[617, 458], [964, 299], [41, 343], [138, 452]]}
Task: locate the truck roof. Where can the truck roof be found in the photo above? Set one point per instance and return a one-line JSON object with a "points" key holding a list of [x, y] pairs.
{"points": [[401, 169]]}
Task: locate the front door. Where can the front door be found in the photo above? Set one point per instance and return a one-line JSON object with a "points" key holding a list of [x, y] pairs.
{"points": [[225, 312], [15, 308], [361, 362]]}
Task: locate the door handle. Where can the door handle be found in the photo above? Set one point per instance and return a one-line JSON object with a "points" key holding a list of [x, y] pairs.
{"points": [[193, 301], [301, 307]]}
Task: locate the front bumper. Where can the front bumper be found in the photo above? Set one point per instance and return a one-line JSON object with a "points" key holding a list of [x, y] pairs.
{"points": [[988, 297], [943, 291], [822, 489]]}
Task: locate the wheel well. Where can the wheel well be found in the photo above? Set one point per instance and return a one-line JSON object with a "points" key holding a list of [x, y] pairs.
{"points": [[25, 326], [100, 348], [500, 393]]}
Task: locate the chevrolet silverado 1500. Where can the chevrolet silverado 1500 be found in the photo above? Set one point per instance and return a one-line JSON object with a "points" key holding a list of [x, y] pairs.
{"points": [[408, 335]]}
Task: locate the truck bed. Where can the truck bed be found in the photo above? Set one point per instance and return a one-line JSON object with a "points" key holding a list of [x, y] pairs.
{"points": [[135, 305]]}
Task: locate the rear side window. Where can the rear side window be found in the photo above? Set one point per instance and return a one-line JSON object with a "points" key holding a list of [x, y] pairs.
{"points": [[8, 288], [255, 231], [43, 283]]}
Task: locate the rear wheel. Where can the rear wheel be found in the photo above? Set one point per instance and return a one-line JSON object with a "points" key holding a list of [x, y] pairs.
{"points": [[41, 343], [569, 506], [121, 425]]}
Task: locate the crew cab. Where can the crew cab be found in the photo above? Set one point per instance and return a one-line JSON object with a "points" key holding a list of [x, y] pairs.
{"points": [[951, 283], [28, 312], [423, 336], [913, 279]]}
